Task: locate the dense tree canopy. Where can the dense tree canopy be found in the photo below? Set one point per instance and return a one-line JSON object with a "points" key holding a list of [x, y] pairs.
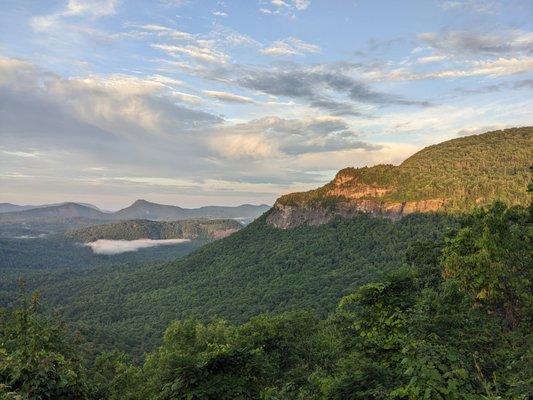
{"points": [[464, 172], [451, 321]]}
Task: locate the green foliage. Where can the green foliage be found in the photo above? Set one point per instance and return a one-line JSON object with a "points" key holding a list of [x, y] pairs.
{"points": [[492, 257], [465, 172], [257, 270], [36, 359], [416, 331], [143, 228]]}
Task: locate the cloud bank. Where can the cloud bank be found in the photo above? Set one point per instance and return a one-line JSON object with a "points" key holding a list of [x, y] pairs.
{"points": [[112, 247]]}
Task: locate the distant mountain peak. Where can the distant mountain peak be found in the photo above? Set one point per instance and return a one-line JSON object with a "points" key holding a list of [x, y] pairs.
{"points": [[141, 202]]}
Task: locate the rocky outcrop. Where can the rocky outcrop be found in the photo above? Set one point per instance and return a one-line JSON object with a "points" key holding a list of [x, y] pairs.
{"points": [[289, 216]]}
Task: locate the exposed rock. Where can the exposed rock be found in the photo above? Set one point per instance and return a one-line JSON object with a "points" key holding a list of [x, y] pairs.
{"points": [[289, 216]]}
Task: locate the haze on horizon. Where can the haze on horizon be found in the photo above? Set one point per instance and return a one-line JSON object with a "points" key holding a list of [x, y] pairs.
{"points": [[223, 103]]}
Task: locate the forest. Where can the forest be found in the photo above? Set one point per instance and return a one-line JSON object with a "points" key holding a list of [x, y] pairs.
{"points": [[467, 172], [259, 269], [451, 319]]}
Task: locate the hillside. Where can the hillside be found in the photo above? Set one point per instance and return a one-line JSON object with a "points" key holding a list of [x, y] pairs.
{"points": [[255, 270], [453, 176], [146, 229]]}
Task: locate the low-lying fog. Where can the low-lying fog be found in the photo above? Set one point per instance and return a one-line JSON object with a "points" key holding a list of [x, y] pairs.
{"points": [[109, 247]]}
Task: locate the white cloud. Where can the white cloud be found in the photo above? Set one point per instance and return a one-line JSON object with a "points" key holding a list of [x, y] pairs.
{"points": [[274, 137], [480, 6], [480, 129], [187, 98], [297, 4], [112, 247], [491, 68], [290, 46], [119, 104], [164, 31], [469, 43], [431, 59], [75, 8], [227, 97], [238, 146], [301, 4], [286, 7], [203, 51], [23, 154], [220, 14]]}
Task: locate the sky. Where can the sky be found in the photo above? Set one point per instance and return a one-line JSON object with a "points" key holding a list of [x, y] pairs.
{"points": [[194, 103]]}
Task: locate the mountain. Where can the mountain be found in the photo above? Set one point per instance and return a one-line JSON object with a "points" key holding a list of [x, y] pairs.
{"points": [[57, 219], [8, 207], [140, 209], [157, 212], [453, 176], [64, 211], [146, 229]]}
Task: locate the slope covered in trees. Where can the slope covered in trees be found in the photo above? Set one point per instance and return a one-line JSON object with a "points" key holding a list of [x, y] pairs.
{"points": [[452, 320], [142, 228], [256, 270], [456, 175]]}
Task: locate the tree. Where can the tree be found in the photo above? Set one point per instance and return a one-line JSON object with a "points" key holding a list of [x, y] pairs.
{"points": [[37, 361]]}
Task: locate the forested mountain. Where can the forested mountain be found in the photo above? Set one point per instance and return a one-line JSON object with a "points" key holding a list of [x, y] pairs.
{"points": [[65, 210], [453, 176], [147, 210], [146, 229], [255, 270]]}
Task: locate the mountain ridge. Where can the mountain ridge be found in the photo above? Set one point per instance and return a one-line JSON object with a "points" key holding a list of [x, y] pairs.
{"points": [[453, 176], [140, 209], [157, 230]]}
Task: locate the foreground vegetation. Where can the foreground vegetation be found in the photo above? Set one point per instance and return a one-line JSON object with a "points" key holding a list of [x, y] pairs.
{"points": [[452, 320]]}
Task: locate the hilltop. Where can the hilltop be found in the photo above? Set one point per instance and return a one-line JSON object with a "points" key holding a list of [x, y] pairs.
{"points": [[453, 176], [157, 212], [146, 229]]}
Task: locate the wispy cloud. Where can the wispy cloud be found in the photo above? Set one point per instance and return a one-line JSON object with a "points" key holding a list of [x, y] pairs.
{"points": [[290, 46], [227, 97], [472, 43], [285, 7], [75, 8], [479, 6]]}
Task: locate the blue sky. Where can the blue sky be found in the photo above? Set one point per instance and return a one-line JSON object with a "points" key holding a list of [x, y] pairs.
{"points": [[194, 102]]}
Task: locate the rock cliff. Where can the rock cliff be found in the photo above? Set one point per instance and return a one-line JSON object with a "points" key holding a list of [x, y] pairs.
{"points": [[452, 176]]}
